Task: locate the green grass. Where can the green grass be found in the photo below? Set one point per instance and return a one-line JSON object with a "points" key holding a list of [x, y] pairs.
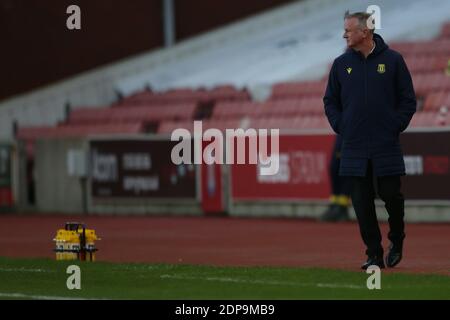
{"points": [[34, 278]]}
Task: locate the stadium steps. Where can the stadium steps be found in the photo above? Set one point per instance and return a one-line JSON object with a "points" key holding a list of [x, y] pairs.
{"points": [[186, 95], [70, 131], [132, 114]]}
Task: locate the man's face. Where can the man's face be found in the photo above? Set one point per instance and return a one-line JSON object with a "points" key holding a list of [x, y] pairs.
{"points": [[353, 32]]}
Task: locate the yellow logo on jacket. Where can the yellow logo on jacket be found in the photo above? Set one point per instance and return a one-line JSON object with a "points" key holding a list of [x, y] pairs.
{"points": [[381, 68], [349, 70]]}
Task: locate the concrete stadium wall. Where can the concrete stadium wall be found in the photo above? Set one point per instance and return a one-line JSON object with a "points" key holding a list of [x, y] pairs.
{"points": [[414, 212], [145, 207], [56, 190]]}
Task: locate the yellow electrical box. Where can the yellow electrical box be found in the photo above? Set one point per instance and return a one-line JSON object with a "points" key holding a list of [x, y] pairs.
{"points": [[75, 242]]}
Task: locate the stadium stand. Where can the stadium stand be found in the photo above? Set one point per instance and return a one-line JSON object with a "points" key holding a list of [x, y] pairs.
{"points": [[439, 46], [284, 49], [291, 104], [427, 83], [437, 100], [445, 31], [139, 113], [430, 119], [426, 63]]}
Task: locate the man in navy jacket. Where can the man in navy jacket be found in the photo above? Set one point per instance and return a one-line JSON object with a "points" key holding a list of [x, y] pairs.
{"points": [[369, 101]]}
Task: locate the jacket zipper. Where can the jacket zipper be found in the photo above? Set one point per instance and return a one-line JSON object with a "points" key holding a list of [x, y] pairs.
{"points": [[367, 108]]}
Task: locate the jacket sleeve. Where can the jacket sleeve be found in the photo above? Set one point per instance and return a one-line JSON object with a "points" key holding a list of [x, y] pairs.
{"points": [[406, 97], [332, 100]]}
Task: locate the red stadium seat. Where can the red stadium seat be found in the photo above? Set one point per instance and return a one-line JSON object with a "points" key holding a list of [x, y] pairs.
{"points": [[276, 108], [228, 93], [445, 31], [287, 90], [226, 110], [167, 127], [432, 47], [186, 95], [291, 123], [430, 119], [434, 101], [431, 82], [426, 63], [131, 114]]}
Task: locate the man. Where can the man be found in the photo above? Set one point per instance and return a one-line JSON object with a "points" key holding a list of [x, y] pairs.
{"points": [[370, 100], [340, 186]]}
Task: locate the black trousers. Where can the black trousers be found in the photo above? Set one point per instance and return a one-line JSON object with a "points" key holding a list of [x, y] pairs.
{"points": [[339, 185], [363, 196]]}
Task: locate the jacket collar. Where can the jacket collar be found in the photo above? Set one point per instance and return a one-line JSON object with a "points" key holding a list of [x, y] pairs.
{"points": [[380, 46]]}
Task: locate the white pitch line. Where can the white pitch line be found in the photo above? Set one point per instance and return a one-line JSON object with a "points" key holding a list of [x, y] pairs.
{"points": [[265, 282], [333, 286], [23, 270], [38, 297]]}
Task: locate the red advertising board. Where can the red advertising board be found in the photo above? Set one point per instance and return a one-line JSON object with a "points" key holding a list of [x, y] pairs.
{"points": [[6, 198], [427, 162], [302, 175], [304, 161], [139, 169]]}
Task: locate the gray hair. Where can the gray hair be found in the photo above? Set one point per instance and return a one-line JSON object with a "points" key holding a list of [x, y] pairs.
{"points": [[362, 17]]}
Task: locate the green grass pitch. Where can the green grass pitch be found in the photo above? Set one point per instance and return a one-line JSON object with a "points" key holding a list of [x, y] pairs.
{"points": [[46, 279]]}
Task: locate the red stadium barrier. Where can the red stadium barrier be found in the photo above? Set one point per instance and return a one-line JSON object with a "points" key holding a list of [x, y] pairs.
{"points": [[6, 198], [6, 177], [137, 169], [427, 161]]}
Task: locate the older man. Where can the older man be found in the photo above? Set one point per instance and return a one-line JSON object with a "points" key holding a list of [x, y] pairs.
{"points": [[370, 100]]}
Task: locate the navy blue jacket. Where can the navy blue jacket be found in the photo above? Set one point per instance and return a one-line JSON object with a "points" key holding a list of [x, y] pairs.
{"points": [[370, 101]]}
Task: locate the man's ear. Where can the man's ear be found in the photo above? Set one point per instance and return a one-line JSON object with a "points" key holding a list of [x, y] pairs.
{"points": [[365, 33]]}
